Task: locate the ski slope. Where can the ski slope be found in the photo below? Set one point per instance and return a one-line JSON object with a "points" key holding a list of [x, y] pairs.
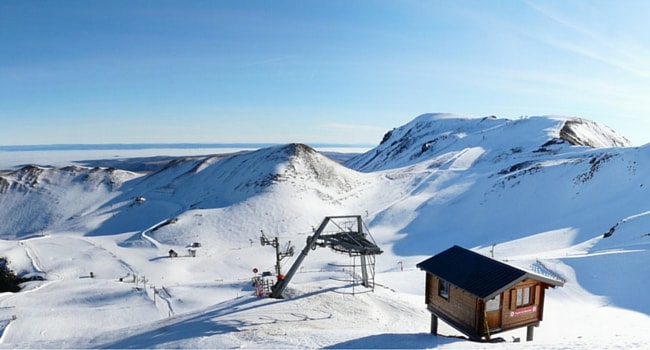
{"points": [[512, 189]]}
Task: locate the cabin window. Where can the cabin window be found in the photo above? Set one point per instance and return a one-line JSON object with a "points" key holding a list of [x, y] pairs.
{"points": [[493, 304], [524, 297], [443, 288]]}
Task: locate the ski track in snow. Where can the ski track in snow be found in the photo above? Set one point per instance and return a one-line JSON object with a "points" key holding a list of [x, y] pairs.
{"points": [[32, 257]]}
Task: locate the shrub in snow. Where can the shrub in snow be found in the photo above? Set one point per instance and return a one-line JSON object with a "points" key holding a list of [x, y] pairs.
{"points": [[8, 280]]}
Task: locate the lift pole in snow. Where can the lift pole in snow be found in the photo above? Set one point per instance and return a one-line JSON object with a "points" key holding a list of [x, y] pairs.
{"points": [[351, 242], [278, 288], [279, 255]]}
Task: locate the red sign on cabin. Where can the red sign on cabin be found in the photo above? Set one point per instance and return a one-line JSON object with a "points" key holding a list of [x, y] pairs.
{"points": [[523, 311]]}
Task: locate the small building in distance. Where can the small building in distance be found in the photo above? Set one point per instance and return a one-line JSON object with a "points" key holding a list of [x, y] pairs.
{"points": [[481, 296]]}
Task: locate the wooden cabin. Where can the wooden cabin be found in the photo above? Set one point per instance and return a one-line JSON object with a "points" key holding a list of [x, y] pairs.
{"points": [[481, 296]]}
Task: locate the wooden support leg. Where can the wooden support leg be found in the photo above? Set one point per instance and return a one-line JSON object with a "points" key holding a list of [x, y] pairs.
{"points": [[434, 324], [529, 333]]}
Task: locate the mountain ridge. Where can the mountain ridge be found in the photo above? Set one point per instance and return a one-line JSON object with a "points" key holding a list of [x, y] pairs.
{"points": [[430, 134]]}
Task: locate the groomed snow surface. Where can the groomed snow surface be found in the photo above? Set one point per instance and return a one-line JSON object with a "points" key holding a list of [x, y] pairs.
{"points": [[109, 281], [199, 309]]}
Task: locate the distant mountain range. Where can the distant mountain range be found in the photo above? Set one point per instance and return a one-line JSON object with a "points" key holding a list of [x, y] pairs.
{"points": [[140, 146]]}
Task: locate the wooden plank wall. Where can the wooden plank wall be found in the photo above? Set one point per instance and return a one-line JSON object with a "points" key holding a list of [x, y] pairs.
{"points": [[461, 307], [513, 317]]}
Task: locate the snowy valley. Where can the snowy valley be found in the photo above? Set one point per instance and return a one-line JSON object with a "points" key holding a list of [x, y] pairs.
{"points": [[95, 238]]}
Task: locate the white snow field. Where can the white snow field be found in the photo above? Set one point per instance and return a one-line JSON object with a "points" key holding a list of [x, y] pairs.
{"points": [[566, 192]]}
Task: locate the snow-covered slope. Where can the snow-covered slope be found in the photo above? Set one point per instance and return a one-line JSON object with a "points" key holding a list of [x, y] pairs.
{"points": [[33, 198], [566, 192], [440, 136], [486, 177]]}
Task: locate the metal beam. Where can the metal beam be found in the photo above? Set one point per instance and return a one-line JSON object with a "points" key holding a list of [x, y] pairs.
{"points": [[364, 272], [350, 242], [278, 288]]}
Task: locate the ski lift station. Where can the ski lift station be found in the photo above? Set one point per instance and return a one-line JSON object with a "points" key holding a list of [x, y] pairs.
{"points": [[342, 234], [481, 296]]}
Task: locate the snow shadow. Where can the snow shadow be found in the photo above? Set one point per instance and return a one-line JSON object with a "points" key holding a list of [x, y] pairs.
{"points": [[133, 216], [613, 275], [225, 318], [395, 341], [197, 326]]}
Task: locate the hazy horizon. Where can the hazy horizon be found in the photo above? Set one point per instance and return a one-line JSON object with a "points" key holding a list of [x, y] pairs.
{"points": [[179, 145]]}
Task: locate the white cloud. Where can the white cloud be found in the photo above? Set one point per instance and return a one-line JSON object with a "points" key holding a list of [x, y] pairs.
{"points": [[586, 42]]}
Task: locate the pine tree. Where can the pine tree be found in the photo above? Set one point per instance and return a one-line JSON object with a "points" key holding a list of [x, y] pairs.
{"points": [[8, 279]]}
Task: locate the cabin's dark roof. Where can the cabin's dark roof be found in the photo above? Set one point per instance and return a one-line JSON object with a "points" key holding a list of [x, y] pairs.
{"points": [[476, 273]]}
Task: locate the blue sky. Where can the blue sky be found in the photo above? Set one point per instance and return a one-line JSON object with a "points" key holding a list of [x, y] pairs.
{"points": [[312, 71]]}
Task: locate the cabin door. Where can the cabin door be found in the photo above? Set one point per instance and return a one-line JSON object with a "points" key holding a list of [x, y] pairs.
{"points": [[493, 313]]}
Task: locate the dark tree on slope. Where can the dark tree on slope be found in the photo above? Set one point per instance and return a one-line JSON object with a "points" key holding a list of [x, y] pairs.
{"points": [[8, 280]]}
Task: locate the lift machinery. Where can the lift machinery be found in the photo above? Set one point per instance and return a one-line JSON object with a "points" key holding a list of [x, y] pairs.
{"points": [[353, 240]]}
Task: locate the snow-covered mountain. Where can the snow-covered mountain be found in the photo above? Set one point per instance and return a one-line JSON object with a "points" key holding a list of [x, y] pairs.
{"points": [[508, 174], [33, 198], [431, 136], [565, 191]]}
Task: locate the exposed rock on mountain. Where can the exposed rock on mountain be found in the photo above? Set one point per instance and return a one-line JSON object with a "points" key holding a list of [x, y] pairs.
{"points": [[434, 135]]}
